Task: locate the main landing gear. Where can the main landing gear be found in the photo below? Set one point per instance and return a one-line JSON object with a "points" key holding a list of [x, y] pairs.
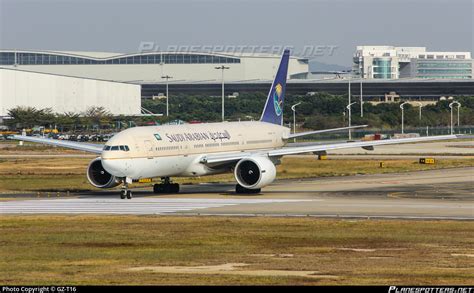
{"points": [[166, 186], [125, 192], [242, 190]]}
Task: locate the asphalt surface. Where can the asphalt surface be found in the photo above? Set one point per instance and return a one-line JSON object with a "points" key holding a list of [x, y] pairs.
{"points": [[436, 194]]}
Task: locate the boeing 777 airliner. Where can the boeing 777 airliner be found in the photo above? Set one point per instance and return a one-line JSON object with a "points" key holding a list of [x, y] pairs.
{"points": [[248, 149]]}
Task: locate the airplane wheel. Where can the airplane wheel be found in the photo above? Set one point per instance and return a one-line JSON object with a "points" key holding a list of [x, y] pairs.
{"points": [[123, 194], [166, 188], [242, 190], [129, 194], [174, 188], [239, 188], [158, 188]]}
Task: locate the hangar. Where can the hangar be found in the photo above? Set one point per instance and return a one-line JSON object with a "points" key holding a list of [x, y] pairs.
{"points": [[151, 66], [65, 93]]}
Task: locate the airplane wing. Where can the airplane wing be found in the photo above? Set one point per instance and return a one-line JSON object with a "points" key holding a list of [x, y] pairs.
{"points": [[229, 157], [293, 135], [355, 144], [81, 146]]}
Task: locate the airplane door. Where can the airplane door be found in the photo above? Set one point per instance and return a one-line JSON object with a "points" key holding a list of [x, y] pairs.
{"points": [[148, 149]]}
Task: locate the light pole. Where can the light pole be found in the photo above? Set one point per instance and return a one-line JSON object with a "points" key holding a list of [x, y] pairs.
{"points": [[162, 64], [451, 107], [349, 90], [293, 108], [459, 106], [222, 67], [349, 109], [421, 106], [167, 77], [403, 116], [361, 100]]}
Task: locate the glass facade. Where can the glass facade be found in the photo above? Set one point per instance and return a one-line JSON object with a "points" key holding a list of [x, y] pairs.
{"points": [[444, 65], [444, 69], [8, 58], [443, 77], [382, 68]]}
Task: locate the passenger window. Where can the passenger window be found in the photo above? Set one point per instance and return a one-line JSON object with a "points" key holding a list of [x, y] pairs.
{"points": [[114, 148], [107, 148], [122, 148]]}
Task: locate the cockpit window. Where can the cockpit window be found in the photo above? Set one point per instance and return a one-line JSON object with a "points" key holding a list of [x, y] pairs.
{"points": [[124, 148]]}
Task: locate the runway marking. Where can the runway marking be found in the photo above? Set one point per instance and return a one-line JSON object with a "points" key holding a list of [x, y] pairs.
{"points": [[328, 216], [155, 206]]}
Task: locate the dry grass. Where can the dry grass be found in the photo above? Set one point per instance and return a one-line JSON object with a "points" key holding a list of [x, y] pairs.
{"points": [[68, 174], [105, 249], [38, 174]]}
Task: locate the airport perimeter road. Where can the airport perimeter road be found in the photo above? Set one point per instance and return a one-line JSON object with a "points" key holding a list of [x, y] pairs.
{"points": [[437, 194]]}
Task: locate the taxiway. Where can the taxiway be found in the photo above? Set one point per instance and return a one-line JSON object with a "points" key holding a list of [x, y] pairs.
{"points": [[436, 194]]}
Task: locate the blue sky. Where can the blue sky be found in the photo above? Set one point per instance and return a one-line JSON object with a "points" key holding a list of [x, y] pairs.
{"points": [[120, 26]]}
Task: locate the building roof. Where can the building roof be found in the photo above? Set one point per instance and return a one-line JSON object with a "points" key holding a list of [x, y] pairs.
{"points": [[108, 55]]}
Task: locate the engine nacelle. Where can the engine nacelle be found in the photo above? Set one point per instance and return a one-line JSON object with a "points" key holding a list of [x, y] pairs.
{"points": [[98, 177], [255, 172]]}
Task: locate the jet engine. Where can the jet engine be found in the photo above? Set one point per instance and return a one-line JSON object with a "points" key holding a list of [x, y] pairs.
{"points": [[255, 172], [98, 177]]}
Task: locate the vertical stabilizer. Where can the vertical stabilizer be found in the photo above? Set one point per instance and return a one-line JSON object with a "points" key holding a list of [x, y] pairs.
{"points": [[273, 111]]}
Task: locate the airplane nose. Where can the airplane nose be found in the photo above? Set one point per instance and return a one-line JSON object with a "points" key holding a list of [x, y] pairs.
{"points": [[114, 167]]}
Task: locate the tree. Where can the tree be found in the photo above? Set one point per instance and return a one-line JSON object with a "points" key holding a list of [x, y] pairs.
{"points": [[98, 116]]}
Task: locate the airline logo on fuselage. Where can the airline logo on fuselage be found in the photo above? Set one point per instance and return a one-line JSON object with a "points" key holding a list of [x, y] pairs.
{"points": [[277, 99], [198, 136]]}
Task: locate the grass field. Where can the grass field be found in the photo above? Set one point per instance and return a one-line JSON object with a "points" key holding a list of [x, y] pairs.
{"points": [[166, 250], [68, 174]]}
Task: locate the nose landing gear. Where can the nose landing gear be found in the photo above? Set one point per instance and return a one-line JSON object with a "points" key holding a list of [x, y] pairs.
{"points": [[166, 186], [125, 192]]}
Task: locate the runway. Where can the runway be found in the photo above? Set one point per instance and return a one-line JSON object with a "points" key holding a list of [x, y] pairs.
{"points": [[156, 206], [436, 194]]}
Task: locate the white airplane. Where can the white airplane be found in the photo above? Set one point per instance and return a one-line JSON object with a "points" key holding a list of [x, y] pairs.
{"points": [[248, 149]]}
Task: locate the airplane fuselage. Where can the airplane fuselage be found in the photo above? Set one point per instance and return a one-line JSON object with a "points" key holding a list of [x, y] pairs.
{"points": [[177, 150]]}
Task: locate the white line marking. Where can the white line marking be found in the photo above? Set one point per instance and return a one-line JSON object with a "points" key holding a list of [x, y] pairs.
{"points": [[117, 206]]}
